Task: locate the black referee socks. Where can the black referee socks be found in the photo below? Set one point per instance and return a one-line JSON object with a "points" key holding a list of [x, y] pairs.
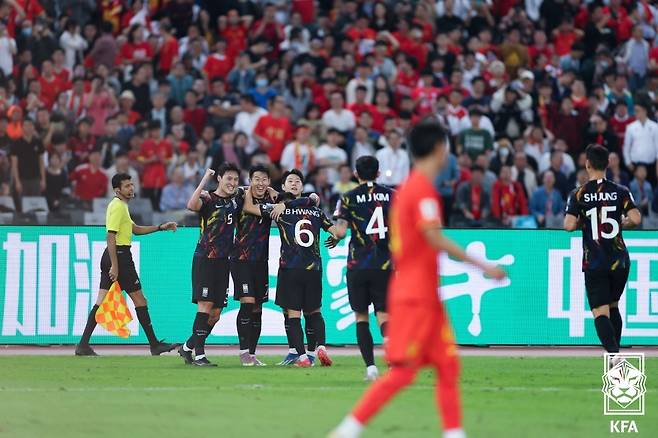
{"points": [[617, 323], [606, 333], [89, 328], [366, 344], [243, 323], [145, 321]]}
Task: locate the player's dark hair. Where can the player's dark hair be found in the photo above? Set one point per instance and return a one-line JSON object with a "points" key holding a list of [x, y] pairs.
{"points": [[367, 167], [597, 156], [118, 179], [425, 137], [285, 196], [297, 172], [259, 168], [227, 167]]}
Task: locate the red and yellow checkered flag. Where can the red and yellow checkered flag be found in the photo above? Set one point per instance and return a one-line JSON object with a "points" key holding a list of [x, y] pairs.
{"points": [[113, 313]]}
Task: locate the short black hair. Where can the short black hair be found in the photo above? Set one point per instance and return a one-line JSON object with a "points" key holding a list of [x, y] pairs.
{"points": [[258, 168], [425, 137], [597, 156], [227, 167], [287, 173], [118, 179], [367, 167], [285, 196]]}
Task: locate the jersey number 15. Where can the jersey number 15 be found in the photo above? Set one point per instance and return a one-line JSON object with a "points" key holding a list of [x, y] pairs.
{"points": [[594, 221]]}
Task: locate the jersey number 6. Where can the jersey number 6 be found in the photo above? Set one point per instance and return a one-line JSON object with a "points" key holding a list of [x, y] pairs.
{"points": [[299, 232]]}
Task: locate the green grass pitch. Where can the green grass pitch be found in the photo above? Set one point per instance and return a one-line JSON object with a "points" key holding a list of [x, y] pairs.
{"points": [[161, 397]]}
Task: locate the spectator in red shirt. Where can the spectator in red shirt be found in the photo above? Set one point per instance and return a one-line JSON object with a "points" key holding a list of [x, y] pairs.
{"points": [[218, 64], [425, 94], [381, 111], [136, 49], [89, 179], [169, 50], [564, 37], [60, 70], [273, 130], [193, 114], [155, 155], [268, 28], [508, 198], [82, 142], [234, 29], [361, 104], [620, 121], [540, 47], [51, 86], [126, 102]]}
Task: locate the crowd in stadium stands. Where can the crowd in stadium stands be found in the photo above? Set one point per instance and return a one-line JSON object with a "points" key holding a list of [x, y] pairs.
{"points": [[162, 89]]}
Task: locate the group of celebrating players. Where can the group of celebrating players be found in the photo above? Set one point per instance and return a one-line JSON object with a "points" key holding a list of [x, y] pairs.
{"points": [[401, 230], [234, 240]]}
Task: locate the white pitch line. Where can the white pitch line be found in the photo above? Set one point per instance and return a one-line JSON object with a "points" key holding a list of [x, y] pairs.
{"points": [[257, 387]]}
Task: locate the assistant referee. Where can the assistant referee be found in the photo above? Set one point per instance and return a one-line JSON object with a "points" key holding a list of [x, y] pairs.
{"points": [[117, 265]]}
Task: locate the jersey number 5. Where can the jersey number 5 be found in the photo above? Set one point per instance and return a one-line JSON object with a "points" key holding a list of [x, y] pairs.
{"points": [[299, 232], [594, 221], [376, 223]]}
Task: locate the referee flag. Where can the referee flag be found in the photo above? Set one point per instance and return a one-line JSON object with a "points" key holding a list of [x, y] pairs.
{"points": [[113, 313]]}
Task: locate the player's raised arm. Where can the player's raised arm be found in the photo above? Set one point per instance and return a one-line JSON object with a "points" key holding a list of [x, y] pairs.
{"points": [[195, 203], [632, 219], [249, 206]]}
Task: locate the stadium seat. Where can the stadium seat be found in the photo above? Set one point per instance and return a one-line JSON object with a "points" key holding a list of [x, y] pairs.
{"points": [[34, 204], [7, 203], [100, 204], [6, 218], [94, 218], [59, 218]]}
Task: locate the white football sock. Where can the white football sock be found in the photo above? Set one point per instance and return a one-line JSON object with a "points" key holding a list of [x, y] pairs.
{"points": [[454, 433], [349, 428]]}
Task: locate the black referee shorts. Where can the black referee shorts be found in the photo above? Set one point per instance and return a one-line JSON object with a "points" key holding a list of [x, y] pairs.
{"points": [[250, 279], [605, 287], [299, 289], [128, 278], [210, 281], [365, 286]]}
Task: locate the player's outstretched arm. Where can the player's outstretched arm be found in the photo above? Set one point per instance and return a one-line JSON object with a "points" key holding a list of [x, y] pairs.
{"points": [[570, 222], [632, 219], [195, 203], [440, 242]]}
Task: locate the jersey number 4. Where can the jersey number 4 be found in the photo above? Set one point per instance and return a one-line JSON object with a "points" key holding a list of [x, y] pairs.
{"points": [[594, 221], [376, 223]]}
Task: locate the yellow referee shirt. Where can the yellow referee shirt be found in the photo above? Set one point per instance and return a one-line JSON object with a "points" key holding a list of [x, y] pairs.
{"points": [[118, 219]]}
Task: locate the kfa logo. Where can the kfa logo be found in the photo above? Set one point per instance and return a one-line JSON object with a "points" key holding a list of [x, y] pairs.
{"points": [[624, 384]]}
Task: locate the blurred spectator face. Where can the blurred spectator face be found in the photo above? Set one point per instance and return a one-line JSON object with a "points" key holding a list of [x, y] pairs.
{"points": [[394, 139], [227, 138], [111, 127], [176, 115], [539, 38], [200, 86], [475, 121], [336, 101], [566, 105], [261, 81], [193, 155], [345, 174], [582, 159], [560, 145], [361, 135], [303, 134], [620, 83], [465, 161], [557, 160], [641, 173], [360, 95], [621, 110], [54, 161], [233, 17], [43, 118], [159, 101], [476, 177], [208, 133], [83, 128], [293, 185], [640, 112], [382, 99], [179, 69], [95, 158], [177, 177], [190, 99], [505, 174], [201, 150], [479, 87], [278, 105], [241, 142], [455, 98], [333, 138], [520, 160], [613, 160], [548, 180], [47, 68], [218, 88]]}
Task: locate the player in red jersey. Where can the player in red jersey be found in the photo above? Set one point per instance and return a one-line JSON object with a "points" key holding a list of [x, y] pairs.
{"points": [[419, 333]]}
